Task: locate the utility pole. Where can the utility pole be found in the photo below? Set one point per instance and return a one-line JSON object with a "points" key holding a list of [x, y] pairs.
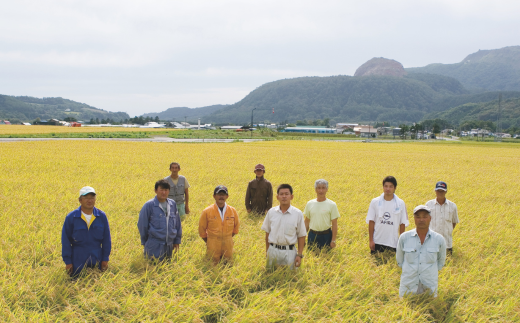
{"points": [[498, 128], [185, 121]]}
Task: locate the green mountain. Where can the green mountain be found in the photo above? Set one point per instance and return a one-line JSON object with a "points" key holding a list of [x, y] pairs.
{"points": [[26, 108], [495, 70], [179, 114], [351, 99], [484, 111]]}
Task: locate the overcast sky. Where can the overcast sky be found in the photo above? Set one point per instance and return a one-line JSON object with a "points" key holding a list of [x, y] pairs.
{"points": [[147, 56]]}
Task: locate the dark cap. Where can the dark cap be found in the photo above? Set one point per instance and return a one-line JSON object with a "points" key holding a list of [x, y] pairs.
{"points": [[441, 186], [220, 188], [260, 166]]}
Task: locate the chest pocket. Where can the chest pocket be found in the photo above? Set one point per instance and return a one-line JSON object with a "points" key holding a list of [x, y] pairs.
{"points": [[97, 231], [410, 254], [431, 255], [79, 234], [230, 221], [213, 222]]}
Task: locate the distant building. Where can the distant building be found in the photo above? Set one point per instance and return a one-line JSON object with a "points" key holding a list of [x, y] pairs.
{"points": [[231, 127], [365, 131], [5, 122], [310, 129]]}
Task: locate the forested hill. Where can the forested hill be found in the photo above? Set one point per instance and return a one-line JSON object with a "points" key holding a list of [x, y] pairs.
{"points": [[27, 109], [191, 115], [350, 99], [484, 111], [495, 70]]}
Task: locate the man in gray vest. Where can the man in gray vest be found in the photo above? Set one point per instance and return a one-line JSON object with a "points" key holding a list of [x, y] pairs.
{"points": [[179, 190]]}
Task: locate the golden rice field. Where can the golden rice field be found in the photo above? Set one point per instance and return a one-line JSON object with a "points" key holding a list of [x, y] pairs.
{"points": [[40, 183], [17, 129]]}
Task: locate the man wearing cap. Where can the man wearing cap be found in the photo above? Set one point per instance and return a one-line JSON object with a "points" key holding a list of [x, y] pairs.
{"points": [[179, 190], [159, 224], [421, 253], [284, 226], [386, 216], [321, 218], [259, 194], [217, 226], [85, 237], [444, 214]]}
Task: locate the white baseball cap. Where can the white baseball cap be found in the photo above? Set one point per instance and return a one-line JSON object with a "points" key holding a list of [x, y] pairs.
{"points": [[86, 190], [421, 207]]}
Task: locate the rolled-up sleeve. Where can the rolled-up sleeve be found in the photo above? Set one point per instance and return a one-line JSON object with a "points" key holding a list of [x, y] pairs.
{"points": [[301, 230], [266, 226]]}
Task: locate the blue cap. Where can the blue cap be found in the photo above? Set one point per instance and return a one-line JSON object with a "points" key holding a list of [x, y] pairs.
{"points": [[441, 186]]}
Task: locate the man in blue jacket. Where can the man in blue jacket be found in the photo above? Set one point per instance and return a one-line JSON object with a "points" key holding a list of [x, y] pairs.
{"points": [[85, 236], [159, 224]]}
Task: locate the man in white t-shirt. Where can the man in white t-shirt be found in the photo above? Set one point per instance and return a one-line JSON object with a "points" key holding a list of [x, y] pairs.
{"points": [[386, 216], [444, 214], [321, 218]]}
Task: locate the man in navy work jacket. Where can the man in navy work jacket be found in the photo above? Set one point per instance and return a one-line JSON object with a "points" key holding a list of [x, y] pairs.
{"points": [[159, 224], [85, 236]]}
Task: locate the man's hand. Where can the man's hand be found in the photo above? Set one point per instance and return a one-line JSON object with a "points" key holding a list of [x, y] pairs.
{"points": [[248, 210], [68, 268], [186, 209], [372, 245], [104, 265], [297, 261], [175, 247], [332, 245]]}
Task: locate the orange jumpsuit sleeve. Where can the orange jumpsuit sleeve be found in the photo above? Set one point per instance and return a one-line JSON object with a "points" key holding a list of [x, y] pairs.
{"points": [[237, 223], [203, 225]]}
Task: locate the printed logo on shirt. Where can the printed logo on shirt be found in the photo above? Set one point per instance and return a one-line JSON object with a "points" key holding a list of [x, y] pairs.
{"points": [[387, 217]]}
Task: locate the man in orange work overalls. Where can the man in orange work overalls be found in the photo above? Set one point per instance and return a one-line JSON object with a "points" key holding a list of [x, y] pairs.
{"points": [[217, 225]]}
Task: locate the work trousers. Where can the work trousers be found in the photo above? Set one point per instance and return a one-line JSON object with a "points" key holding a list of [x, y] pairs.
{"points": [[319, 240], [220, 248], [381, 248], [277, 257]]}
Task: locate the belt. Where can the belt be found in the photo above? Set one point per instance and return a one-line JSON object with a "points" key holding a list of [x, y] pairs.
{"points": [[321, 232], [290, 247]]}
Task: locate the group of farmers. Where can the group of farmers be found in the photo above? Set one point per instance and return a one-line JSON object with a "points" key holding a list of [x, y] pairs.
{"points": [[420, 252]]}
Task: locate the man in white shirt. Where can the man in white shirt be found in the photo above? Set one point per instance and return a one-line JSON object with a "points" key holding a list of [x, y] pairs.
{"points": [[321, 218], [284, 227], [386, 216], [444, 215]]}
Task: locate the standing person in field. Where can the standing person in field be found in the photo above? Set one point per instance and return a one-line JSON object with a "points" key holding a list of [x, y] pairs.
{"points": [[284, 226], [85, 236], [321, 218], [421, 253], [217, 226], [179, 190], [386, 216], [259, 194], [159, 224], [444, 215]]}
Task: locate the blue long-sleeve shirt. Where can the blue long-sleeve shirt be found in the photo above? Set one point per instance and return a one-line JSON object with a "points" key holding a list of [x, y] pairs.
{"points": [[420, 262], [81, 245], [158, 230]]}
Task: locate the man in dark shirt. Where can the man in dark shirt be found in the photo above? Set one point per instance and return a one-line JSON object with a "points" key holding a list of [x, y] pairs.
{"points": [[259, 195]]}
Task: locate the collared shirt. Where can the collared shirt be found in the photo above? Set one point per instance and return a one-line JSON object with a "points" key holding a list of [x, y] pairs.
{"points": [[443, 218], [222, 212], [284, 228], [420, 262]]}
